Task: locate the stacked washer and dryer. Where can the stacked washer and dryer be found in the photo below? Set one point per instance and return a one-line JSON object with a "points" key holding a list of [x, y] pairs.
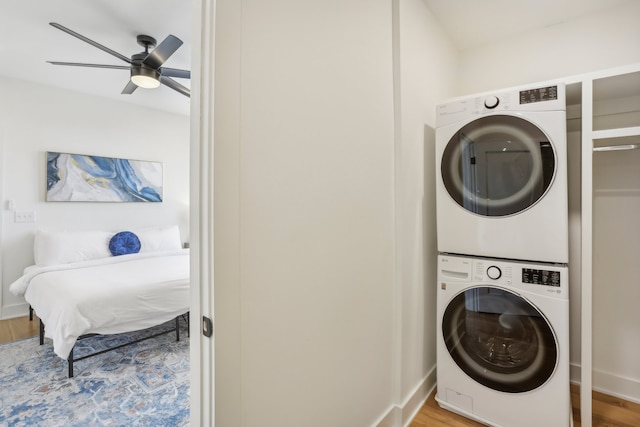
{"points": [[503, 288]]}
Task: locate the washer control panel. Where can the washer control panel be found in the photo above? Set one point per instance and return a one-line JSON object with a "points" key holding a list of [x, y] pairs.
{"points": [[485, 270], [493, 272], [536, 276], [519, 276]]}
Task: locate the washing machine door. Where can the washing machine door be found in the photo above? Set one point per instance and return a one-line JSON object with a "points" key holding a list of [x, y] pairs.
{"points": [[498, 165], [500, 339]]}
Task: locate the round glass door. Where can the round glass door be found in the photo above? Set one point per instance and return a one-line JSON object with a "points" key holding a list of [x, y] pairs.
{"points": [[500, 339], [498, 165]]}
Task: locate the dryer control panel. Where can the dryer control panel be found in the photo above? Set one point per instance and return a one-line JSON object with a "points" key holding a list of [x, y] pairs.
{"points": [[539, 94], [544, 98]]}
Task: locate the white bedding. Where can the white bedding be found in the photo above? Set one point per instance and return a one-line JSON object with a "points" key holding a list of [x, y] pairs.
{"points": [[107, 295]]}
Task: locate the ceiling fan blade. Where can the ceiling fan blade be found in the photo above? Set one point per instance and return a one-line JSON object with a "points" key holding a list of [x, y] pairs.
{"points": [[162, 52], [91, 42], [129, 88], [174, 72], [167, 81], [79, 64]]}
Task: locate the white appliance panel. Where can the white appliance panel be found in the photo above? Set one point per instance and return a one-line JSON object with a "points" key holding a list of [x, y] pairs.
{"points": [[543, 288], [501, 177]]}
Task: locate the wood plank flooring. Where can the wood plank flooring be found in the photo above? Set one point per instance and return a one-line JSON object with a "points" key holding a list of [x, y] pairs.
{"points": [[433, 415], [18, 328], [608, 411]]}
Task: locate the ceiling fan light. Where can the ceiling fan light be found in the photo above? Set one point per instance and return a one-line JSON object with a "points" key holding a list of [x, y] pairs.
{"points": [[145, 78]]}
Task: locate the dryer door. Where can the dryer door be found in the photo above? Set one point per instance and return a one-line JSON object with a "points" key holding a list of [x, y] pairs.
{"points": [[500, 339], [498, 165]]}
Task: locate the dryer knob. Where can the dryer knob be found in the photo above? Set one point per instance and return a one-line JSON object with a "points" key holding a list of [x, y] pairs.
{"points": [[491, 102], [494, 272]]}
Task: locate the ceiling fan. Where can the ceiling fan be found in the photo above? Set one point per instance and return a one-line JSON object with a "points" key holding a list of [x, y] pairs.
{"points": [[146, 67]]}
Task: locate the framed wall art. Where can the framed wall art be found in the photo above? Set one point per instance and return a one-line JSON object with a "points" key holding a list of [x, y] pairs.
{"points": [[86, 178]]}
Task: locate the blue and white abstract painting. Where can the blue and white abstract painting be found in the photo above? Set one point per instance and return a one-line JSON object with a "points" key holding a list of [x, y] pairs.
{"points": [[84, 178]]}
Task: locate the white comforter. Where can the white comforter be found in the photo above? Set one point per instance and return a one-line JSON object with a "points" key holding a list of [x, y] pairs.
{"points": [[106, 296]]}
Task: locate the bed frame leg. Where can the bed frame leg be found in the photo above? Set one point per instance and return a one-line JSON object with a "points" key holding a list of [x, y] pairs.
{"points": [[41, 332], [70, 363], [177, 328], [30, 313]]}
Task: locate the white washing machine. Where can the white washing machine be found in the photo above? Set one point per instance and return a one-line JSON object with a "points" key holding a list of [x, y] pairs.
{"points": [[503, 341], [501, 175]]}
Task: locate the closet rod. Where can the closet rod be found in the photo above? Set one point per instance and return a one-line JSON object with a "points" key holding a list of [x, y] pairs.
{"points": [[617, 147]]}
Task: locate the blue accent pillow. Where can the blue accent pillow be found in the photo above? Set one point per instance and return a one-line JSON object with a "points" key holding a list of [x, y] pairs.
{"points": [[123, 243]]}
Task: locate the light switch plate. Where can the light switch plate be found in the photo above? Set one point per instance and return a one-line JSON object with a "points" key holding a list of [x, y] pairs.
{"points": [[25, 216]]}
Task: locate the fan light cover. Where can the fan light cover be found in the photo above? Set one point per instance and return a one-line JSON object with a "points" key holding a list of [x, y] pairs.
{"points": [[145, 78]]}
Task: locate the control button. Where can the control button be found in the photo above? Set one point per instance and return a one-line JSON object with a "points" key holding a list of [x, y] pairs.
{"points": [[494, 272], [491, 102]]}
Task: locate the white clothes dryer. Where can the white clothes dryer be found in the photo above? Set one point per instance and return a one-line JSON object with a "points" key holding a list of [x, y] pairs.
{"points": [[503, 341], [501, 175]]}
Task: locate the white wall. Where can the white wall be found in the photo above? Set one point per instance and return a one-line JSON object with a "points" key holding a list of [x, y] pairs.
{"points": [[35, 119], [316, 212], [427, 71], [616, 249], [323, 313], [604, 40]]}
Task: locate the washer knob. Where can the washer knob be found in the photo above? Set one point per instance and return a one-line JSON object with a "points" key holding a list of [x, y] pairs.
{"points": [[491, 102], [494, 272]]}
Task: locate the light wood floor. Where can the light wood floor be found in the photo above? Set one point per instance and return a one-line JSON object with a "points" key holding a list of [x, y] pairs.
{"points": [[18, 328], [608, 411]]}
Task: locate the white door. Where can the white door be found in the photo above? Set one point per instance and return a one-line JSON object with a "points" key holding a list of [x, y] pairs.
{"points": [[201, 215]]}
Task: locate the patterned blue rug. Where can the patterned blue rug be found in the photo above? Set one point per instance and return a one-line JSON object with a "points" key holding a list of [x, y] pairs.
{"points": [[143, 384]]}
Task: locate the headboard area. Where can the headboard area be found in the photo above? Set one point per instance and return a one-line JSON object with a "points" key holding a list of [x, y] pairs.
{"points": [[63, 247]]}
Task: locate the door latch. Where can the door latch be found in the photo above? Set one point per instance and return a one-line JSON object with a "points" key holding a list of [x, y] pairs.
{"points": [[207, 327]]}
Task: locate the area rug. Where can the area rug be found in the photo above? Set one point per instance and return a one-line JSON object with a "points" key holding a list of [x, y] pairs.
{"points": [[143, 384]]}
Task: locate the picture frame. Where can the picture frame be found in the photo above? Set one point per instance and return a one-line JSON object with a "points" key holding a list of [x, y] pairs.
{"points": [[90, 178]]}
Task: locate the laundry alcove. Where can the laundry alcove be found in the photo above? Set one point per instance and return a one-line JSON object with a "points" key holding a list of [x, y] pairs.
{"points": [[603, 124]]}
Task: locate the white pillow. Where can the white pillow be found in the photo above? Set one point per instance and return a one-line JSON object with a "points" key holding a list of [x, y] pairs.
{"points": [[62, 247], [157, 239]]}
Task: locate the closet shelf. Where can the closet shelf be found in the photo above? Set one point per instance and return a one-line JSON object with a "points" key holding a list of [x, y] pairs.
{"points": [[616, 133]]}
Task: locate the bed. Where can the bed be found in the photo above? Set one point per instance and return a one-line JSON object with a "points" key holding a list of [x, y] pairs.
{"points": [[79, 286]]}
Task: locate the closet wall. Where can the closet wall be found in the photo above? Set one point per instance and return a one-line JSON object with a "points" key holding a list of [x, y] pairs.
{"points": [[616, 235], [603, 115]]}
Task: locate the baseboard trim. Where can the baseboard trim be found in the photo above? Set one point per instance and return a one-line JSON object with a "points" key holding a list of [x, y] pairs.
{"points": [[14, 310], [401, 415], [611, 384], [575, 371], [615, 385]]}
